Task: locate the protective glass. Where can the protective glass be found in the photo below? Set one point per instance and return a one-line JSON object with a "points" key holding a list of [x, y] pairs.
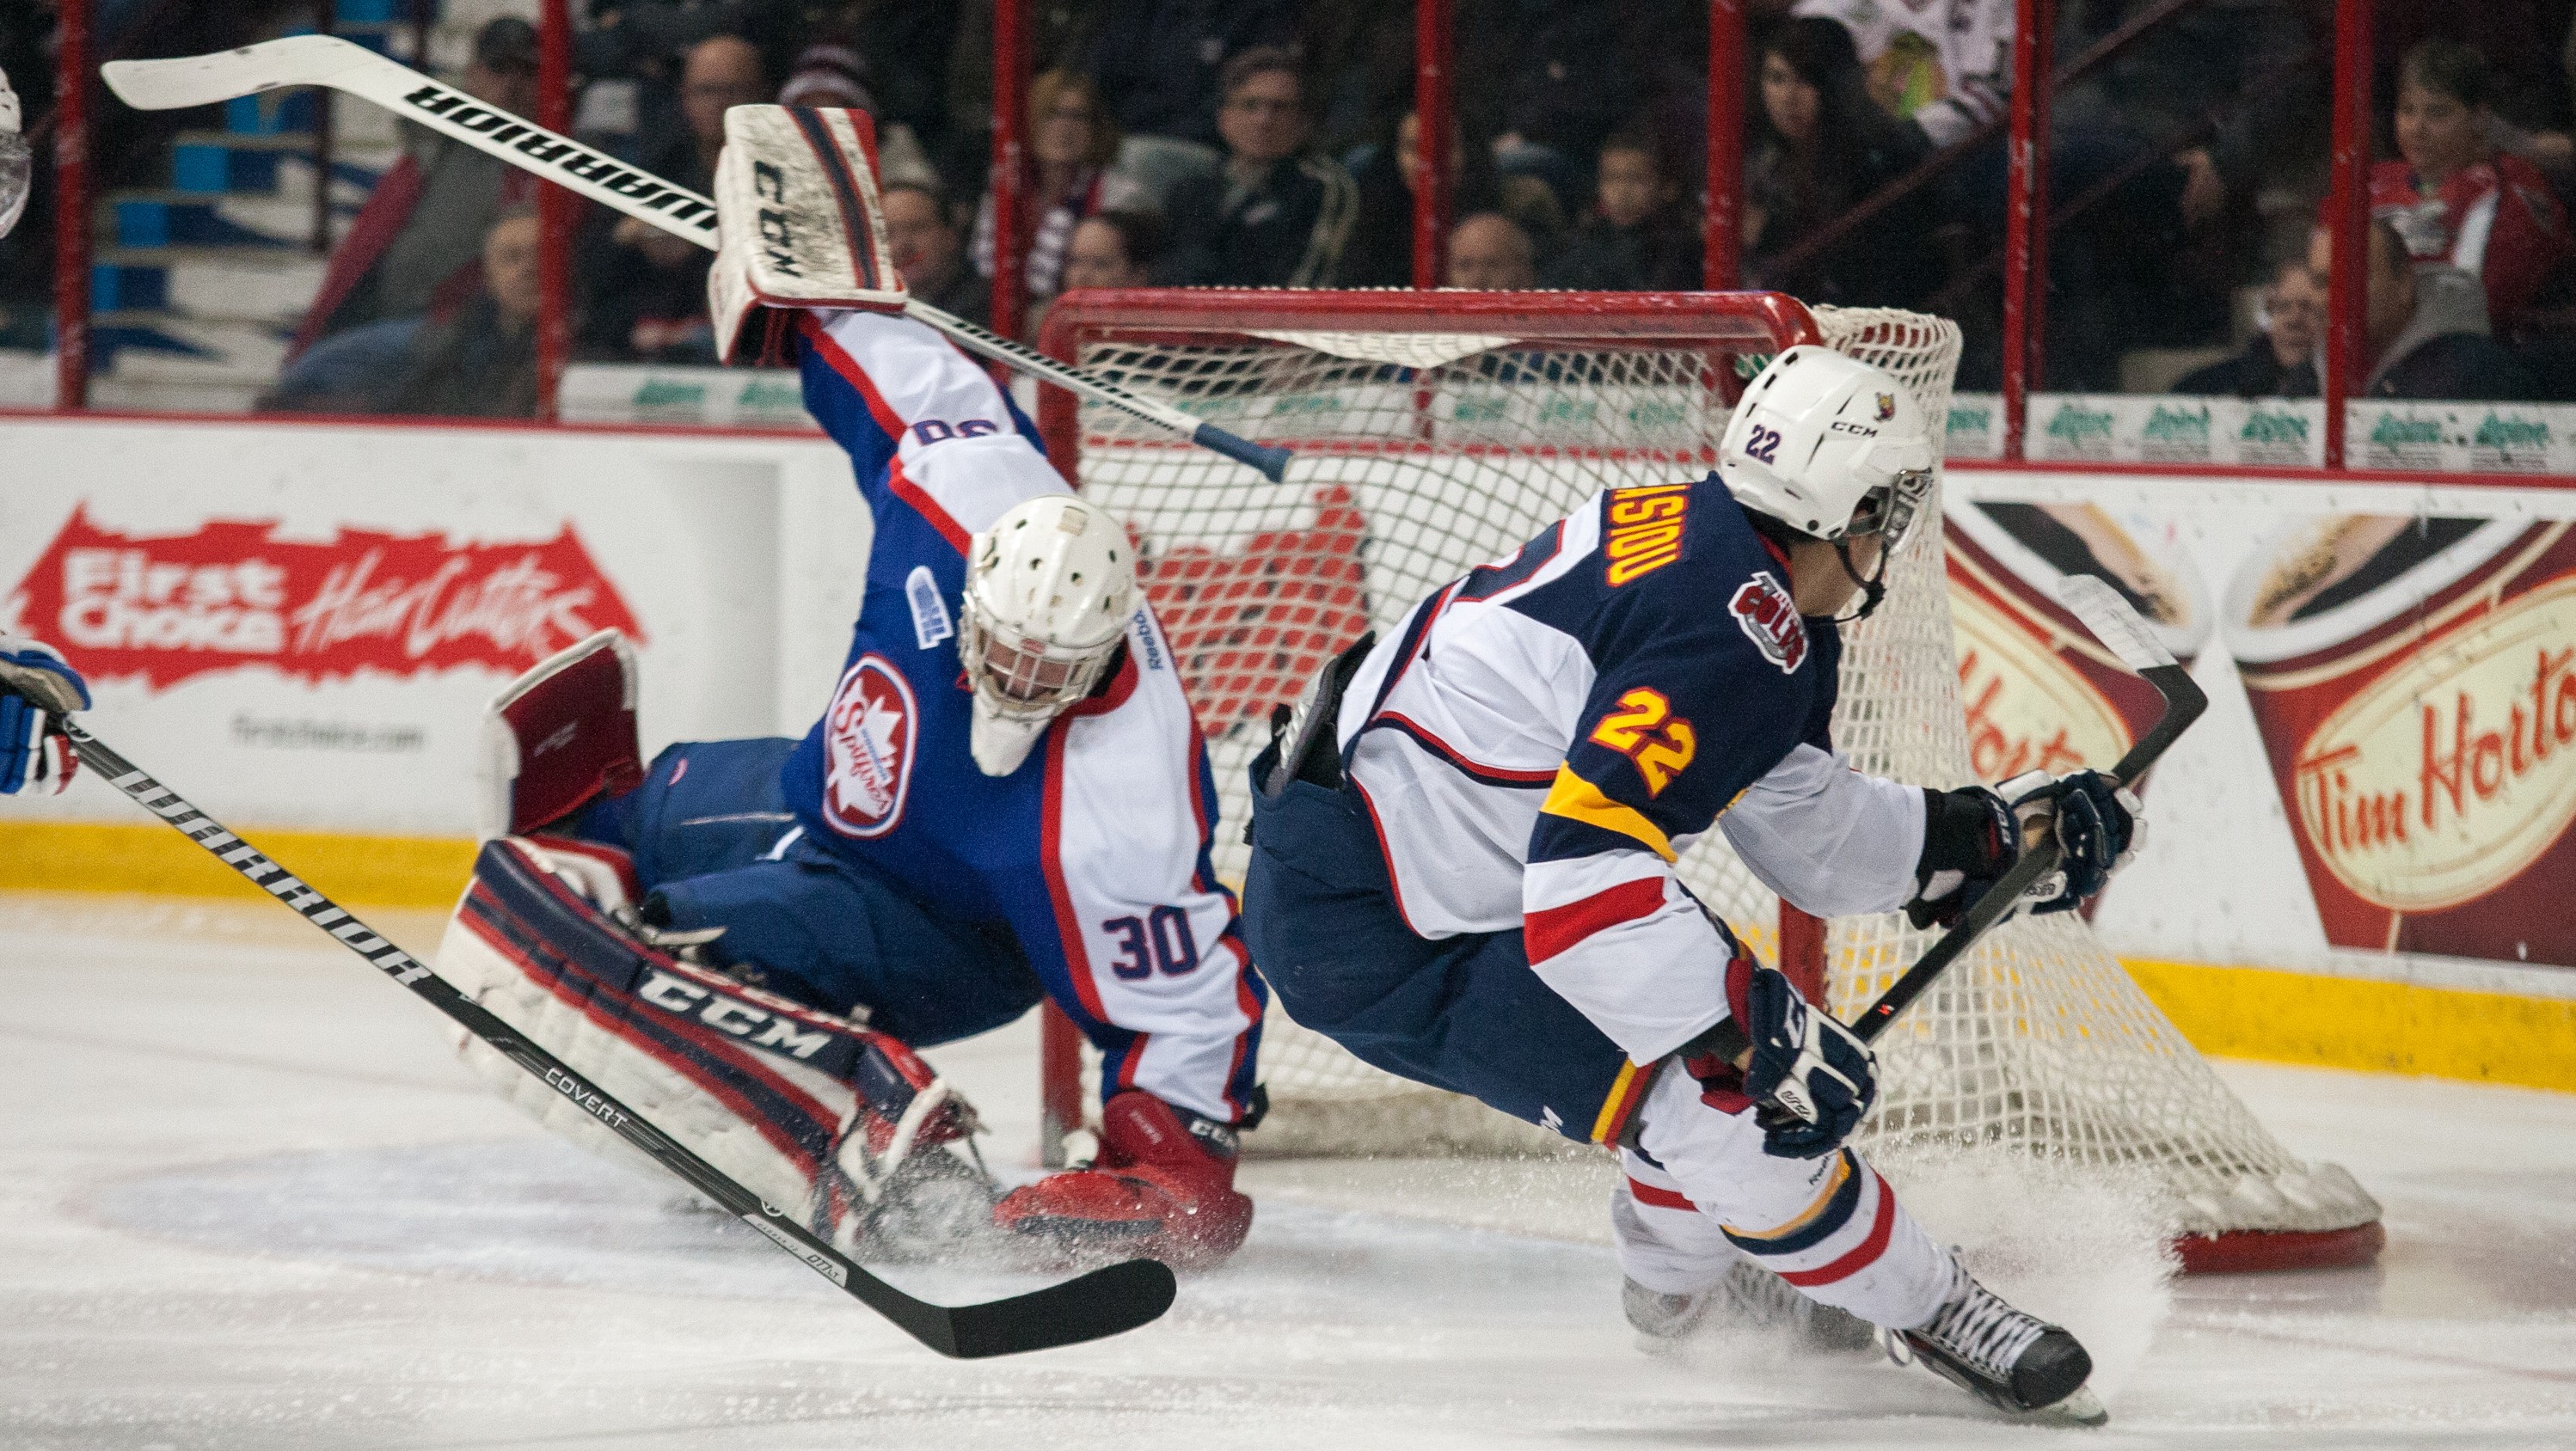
{"points": [[17, 175]]}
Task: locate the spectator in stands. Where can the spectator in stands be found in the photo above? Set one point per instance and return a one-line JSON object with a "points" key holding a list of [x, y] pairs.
{"points": [[1072, 146], [1381, 250], [1549, 80], [1945, 69], [1635, 237], [2281, 361], [1490, 253], [646, 290], [481, 363], [1276, 215], [415, 245], [2454, 197], [1115, 249], [1163, 64], [2427, 332], [1823, 147], [830, 73], [921, 232]]}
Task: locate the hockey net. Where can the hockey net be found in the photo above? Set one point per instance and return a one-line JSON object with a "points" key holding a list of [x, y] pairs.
{"points": [[1435, 432]]}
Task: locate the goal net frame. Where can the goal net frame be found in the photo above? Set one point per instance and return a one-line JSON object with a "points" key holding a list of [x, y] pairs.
{"points": [[1996, 1054]]}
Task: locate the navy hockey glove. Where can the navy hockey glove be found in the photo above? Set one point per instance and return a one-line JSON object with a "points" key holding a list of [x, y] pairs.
{"points": [[1811, 1077], [2098, 831], [1971, 837], [35, 686]]}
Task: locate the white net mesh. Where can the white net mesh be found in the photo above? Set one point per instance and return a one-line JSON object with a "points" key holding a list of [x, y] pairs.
{"points": [[1422, 452]]}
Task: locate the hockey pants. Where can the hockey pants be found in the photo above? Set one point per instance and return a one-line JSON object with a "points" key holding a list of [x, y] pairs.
{"points": [[711, 837], [1467, 1014]]}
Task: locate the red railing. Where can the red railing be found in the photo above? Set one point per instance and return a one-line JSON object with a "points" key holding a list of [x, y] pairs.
{"points": [[2025, 253]]}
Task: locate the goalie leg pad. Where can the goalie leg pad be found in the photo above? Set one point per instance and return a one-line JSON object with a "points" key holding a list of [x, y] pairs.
{"points": [[1829, 1226], [814, 1113]]}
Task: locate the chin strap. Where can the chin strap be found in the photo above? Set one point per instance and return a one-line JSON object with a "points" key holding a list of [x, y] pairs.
{"points": [[1872, 590]]}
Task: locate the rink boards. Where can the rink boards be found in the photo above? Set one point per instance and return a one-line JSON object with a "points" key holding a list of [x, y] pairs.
{"points": [[2361, 857]]}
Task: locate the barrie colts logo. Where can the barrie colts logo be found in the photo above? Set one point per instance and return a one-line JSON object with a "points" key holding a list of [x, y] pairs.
{"points": [[868, 749], [1769, 618], [930, 622]]}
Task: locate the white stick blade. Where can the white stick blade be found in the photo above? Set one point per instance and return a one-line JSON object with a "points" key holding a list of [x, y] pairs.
{"points": [[204, 80], [2112, 622]]}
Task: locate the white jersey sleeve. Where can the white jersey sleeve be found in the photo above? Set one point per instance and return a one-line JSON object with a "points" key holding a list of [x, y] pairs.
{"points": [[1829, 840]]}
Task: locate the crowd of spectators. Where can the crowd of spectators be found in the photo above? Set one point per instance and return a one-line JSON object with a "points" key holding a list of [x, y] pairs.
{"points": [[1266, 143]]}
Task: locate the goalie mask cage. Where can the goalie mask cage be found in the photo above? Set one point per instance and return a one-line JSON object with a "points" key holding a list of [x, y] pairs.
{"points": [[1435, 431]]}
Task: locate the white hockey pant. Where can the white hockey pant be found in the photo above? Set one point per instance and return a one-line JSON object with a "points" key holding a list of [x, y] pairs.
{"points": [[1703, 1194]]}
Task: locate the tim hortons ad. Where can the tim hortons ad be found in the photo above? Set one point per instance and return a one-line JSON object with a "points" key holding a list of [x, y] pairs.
{"points": [[2415, 683]]}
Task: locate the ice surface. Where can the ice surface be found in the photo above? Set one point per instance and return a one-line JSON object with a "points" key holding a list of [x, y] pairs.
{"points": [[247, 1200]]}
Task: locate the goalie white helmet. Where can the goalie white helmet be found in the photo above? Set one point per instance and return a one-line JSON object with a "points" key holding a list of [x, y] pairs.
{"points": [[1049, 589], [1830, 446]]}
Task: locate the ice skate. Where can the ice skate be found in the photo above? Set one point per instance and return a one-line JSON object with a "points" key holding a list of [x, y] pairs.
{"points": [[2008, 1358], [1751, 1297]]}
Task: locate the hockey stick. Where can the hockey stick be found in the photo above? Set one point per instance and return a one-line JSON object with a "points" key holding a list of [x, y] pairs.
{"points": [[1106, 1301], [324, 60], [2121, 631]]}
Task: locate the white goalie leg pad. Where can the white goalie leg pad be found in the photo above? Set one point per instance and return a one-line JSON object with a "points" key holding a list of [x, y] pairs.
{"points": [[628, 1019], [798, 218], [1829, 1226]]}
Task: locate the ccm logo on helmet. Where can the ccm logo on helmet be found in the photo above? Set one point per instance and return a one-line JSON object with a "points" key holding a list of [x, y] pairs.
{"points": [[1769, 618], [1645, 529]]}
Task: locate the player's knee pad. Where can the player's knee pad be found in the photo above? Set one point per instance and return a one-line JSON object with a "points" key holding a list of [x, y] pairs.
{"points": [[1829, 1226], [815, 1113]]}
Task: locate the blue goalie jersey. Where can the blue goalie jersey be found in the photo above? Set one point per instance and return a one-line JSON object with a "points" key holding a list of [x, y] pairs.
{"points": [[1095, 852]]}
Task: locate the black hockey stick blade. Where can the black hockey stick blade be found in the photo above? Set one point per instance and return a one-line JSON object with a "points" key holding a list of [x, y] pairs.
{"points": [[1105, 1302], [2120, 630]]}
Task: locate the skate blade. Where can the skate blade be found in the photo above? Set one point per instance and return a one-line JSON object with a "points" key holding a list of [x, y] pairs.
{"points": [[2080, 1408]]}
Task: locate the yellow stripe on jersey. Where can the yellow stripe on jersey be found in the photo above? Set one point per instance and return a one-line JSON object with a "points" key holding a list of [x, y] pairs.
{"points": [[1806, 1216], [1576, 799]]}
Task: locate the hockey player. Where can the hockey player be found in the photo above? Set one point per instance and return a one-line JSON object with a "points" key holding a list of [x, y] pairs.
{"points": [[1007, 797], [1463, 865]]}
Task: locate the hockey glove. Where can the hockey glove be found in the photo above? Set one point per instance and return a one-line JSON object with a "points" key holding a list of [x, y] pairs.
{"points": [[1971, 837], [35, 687], [2098, 831], [1811, 1078]]}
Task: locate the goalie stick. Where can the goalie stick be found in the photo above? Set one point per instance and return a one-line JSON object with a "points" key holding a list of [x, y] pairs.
{"points": [[2120, 630], [324, 60], [1107, 1301]]}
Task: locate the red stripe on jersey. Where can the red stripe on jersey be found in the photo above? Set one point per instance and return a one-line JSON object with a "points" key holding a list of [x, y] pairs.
{"points": [[1864, 1256], [1068, 927], [838, 359], [1660, 1198], [1394, 884], [1494, 775], [1552, 930]]}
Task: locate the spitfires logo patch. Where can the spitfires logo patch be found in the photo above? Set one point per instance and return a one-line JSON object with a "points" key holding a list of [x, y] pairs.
{"points": [[1769, 618], [868, 749], [1886, 406]]}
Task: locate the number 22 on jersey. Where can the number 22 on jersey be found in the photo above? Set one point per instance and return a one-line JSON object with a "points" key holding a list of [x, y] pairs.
{"points": [[1644, 729]]}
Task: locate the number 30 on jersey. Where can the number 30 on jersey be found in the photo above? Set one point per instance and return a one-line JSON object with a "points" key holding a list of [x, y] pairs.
{"points": [[1645, 730]]}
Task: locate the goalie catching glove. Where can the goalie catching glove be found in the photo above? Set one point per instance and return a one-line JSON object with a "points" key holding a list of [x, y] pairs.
{"points": [[798, 216], [1812, 1078], [1972, 836]]}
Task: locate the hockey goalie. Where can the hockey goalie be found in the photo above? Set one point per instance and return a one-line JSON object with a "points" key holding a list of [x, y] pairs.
{"points": [[1463, 870], [1007, 799]]}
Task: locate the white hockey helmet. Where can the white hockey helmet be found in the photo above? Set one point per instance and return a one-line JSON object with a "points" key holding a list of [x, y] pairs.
{"points": [[1049, 590], [1830, 446]]}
